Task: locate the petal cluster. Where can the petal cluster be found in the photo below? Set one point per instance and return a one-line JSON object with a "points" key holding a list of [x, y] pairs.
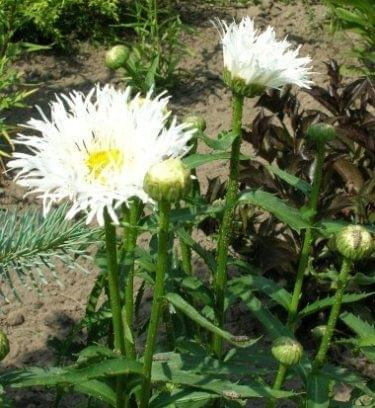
{"points": [[258, 58], [96, 149]]}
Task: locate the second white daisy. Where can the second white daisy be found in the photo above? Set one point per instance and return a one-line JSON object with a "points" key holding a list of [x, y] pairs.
{"points": [[259, 59], [96, 149]]}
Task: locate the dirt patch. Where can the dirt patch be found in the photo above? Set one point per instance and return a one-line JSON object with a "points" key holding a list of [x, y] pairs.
{"points": [[31, 324]]}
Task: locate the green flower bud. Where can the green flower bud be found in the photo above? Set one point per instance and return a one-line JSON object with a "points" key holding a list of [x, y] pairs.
{"points": [[239, 87], [196, 121], [287, 351], [116, 57], [4, 345], [318, 332], [355, 242], [168, 180], [320, 133]]}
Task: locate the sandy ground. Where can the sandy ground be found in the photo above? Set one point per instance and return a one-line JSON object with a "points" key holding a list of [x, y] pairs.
{"points": [[29, 325]]}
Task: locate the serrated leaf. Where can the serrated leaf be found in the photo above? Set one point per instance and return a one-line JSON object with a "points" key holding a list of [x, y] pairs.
{"points": [[184, 397], [359, 326], [179, 303], [289, 178], [277, 207], [198, 159], [262, 284], [344, 376], [97, 389], [327, 302], [223, 141]]}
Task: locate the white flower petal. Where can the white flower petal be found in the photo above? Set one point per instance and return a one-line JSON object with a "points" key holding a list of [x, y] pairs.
{"points": [[96, 149], [259, 58]]}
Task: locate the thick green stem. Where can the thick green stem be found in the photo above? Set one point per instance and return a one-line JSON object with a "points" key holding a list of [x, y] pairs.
{"points": [[335, 311], [114, 297], [279, 380], [305, 254], [225, 233], [157, 304], [130, 242]]}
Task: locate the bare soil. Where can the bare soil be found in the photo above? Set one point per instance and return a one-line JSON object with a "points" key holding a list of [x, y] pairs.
{"points": [[32, 323]]}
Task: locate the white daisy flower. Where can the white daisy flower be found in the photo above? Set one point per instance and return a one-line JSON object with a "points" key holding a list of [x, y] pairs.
{"points": [[259, 59], [96, 149]]}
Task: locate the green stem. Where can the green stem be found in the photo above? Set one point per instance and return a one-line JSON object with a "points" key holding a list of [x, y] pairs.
{"points": [[335, 311], [157, 304], [279, 380], [305, 254], [114, 296], [130, 243], [225, 233]]}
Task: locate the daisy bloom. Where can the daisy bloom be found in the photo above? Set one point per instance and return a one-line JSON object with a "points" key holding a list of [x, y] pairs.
{"points": [[96, 150], [257, 60]]}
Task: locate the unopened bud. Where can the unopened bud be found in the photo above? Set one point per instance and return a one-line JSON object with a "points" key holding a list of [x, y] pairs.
{"points": [[287, 351], [320, 133], [168, 180], [355, 242], [196, 122], [318, 332], [117, 56]]}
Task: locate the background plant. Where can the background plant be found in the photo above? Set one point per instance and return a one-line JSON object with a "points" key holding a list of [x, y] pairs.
{"points": [[357, 16], [157, 48]]}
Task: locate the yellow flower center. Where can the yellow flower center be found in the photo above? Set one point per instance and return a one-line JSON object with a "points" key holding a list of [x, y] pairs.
{"points": [[100, 161]]}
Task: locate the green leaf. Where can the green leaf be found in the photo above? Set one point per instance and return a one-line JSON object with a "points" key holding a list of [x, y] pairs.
{"points": [[317, 391], [270, 322], [163, 373], [98, 390], [261, 284], [184, 398], [327, 302], [70, 375], [198, 159], [289, 178], [223, 142], [359, 326], [208, 257], [343, 375], [178, 302], [276, 207]]}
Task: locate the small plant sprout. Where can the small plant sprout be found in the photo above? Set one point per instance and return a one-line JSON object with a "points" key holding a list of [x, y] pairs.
{"points": [[165, 182]]}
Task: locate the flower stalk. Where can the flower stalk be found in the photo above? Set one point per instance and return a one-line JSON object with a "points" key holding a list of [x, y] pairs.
{"points": [[130, 242], [225, 232], [157, 304], [335, 311], [114, 297], [319, 134]]}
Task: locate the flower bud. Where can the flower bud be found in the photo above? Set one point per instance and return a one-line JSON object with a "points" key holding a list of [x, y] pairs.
{"points": [[168, 180], [287, 351], [196, 122], [355, 242], [239, 86], [4, 345], [318, 332], [116, 57], [320, 133]]}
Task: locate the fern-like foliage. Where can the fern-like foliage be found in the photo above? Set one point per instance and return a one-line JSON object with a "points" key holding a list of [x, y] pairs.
{"points": [[31, 246]]}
